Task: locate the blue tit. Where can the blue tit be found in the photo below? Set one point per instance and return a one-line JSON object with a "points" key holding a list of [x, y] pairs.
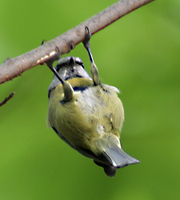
{"points": [[87, 114]]}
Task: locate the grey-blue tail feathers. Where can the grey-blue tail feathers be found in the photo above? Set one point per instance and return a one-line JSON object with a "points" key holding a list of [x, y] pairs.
{"points": [[113, 158]]}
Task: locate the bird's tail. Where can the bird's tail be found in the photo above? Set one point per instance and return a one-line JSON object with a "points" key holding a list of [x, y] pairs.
{"points": [[118, 158], [112, 158]]}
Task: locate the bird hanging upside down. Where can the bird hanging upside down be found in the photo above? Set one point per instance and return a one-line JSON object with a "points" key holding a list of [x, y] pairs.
{"points": [[87, 114]]}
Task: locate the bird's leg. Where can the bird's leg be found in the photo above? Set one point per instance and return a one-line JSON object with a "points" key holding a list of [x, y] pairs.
{"points": [[68, 90], [94, 70]]}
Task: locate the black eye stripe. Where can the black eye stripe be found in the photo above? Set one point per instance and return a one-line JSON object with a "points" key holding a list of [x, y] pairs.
{"points": [[80, 63]]}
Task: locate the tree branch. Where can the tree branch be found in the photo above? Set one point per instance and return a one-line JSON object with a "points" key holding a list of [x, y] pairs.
{"points": [[7, 99], [68, 40]]}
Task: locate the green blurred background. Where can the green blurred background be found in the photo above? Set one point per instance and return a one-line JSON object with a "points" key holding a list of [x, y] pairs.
{"points": [[139, 54]]}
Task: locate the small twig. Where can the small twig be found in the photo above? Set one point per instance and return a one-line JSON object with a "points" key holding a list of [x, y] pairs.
{"points": [[7, 99], [68, 40]]}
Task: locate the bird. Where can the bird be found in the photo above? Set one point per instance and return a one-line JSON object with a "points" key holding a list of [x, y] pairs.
{"points": [[87, 114]]}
